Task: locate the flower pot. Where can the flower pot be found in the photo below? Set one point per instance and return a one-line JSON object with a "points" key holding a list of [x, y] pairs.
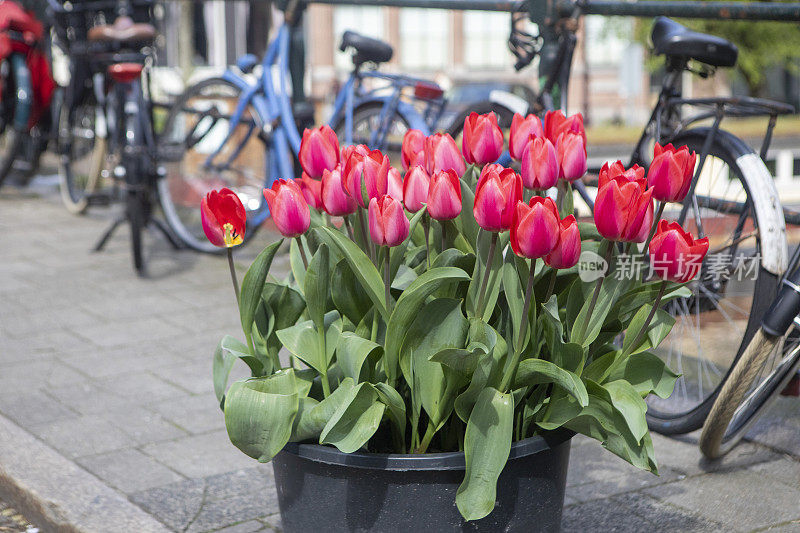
{"points": [[323, 489]]}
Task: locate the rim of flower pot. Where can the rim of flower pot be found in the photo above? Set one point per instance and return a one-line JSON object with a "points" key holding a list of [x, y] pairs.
{"points": [[421, 461]]}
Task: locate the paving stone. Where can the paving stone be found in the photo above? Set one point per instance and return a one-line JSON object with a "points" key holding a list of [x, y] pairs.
{"points": [[175, 505], [255, 480], [144, 426], [88, 398], [785, 470], [129, 470], [251, 526], [127, 332], [33, 408], [195, 414], [80, 436], [273, 522], [39, 374], [229, 511], [103, 362], [142, 387], [200, 455], [195, 378]]}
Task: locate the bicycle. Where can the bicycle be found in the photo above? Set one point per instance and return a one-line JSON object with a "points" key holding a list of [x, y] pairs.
{"points": [[109, 100], [732, 200], [208, 131], [27, 90]]}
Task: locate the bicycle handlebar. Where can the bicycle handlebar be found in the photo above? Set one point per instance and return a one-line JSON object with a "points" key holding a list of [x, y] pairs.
{"points": [[95, 5]]}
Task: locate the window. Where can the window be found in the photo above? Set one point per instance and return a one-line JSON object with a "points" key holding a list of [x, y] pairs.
{"points": [[424, 38], [364, 20], [485, 37]]}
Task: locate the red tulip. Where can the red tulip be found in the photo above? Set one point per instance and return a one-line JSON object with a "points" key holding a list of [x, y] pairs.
{"points": [[413, 150], [535, 228], [349, 150], [444, 195], [223, 217], [370, 171], [312, 190], [571, 151], [539, 164], [617, 170], [496, 196], [521, 131], [288, 208], [394, 185], [335, 201], [388, 225], [671, 173], [319, 151], [623, 209], [555, 123], [482, 141], [441, 153], [568, 249], [674, 254], [415, 188]]}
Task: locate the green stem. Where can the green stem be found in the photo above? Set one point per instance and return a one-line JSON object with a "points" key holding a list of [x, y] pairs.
{"points": [[642, 332], [373, 336], [596, 293], [348, 227], [426, 222], [367, 240], [387, 282], [485, 281], [551, 285], [511, 370], [561, 191], [326, 387], [302, 251], [233, 275], [426, 439], [653, 228], [444, 235]]}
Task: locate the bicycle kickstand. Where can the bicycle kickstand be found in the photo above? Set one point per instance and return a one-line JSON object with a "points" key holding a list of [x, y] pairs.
{"points": [[159, 225], [110, 231]]}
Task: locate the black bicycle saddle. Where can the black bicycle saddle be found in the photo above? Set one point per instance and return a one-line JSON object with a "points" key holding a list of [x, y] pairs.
{"points": [[367, 48], [673, 39]]}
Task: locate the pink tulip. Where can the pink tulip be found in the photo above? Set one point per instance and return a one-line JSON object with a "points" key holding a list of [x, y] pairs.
{"points": [[555, 123], [388, 225], [441, 153], [674, 254], [671, 173], [347, 151], [413, 150], [521, 131], [335, 201], [415, 188], [444, 195], [369, 171], [319, 151], [312, 190], [617, 170], [623, 209], [539, 164], [535, 228], [571, 152], [288, 208], [496, 196], [224, 218], [568, 249], [482, 141], [394, 186]]}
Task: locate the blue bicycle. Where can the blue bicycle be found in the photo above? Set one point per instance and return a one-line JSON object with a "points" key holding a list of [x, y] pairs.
{"points": [[239, 130]]}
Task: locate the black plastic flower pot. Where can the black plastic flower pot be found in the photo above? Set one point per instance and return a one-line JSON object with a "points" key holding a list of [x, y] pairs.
{"points": [[322, 489]]}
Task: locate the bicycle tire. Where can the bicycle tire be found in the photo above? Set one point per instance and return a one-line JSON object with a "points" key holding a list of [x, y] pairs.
{"points": [[184, 220], [365, 119], [764, 287], [136, 176], [75, 184], [8, 153]]}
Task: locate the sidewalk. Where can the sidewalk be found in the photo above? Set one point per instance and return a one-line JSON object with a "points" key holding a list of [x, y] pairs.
{"points": [[108, 376]]}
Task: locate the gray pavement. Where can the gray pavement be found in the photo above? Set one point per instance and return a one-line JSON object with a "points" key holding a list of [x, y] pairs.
{"points": [[110, 375]]}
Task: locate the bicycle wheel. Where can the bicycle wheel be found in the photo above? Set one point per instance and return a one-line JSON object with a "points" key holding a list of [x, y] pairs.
{"points": [[83, 155], [366, 120], [504, 118], [11, 139], [198, 126], [715, 323], [137, 199]]}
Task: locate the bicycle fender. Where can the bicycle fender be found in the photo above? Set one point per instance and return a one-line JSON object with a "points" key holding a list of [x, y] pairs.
{"points": [[510, 101], [761, 185], [24, 103], [408, 112]]}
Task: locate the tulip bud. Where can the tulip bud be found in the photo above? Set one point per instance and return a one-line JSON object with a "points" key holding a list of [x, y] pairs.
{"points": [[617, 170], [441, 153], [366, 176], [674, 254], [671, 172], [535, 228], [521, 131], [623, 210], [539, 164], [312, 190], [388, 225], [224, 218], [555, 123], [482, 141], [571, 151], [288, 208], [444, 195], [415, 188], [496, 196], [394, 184], [319, 151], [413, 150], [335, 201], [568, 249], [347, 151]]}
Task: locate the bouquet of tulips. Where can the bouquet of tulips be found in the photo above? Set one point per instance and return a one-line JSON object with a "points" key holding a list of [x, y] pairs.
{"points": [[445, 310]]}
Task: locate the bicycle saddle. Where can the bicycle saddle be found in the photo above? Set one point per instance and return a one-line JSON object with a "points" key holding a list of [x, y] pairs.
{"points": [[124, 30], [673, 39], [367, 48]]}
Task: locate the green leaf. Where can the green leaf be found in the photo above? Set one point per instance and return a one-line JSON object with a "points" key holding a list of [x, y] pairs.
{"points": [[312, 415], [465, 222], [221, 370], [487, 443], [347, 294], [648, 374], [657, 330], [462, 360], [259, 414], [407, 308], [589, 231], [253, 285], [316, 285], [353, 351], [609, 291], [484, 241], [355, 421], [296, 262], [303, 342], [397, 407], [630, 404], [535, 371], [515, 300], [368, 276]]}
